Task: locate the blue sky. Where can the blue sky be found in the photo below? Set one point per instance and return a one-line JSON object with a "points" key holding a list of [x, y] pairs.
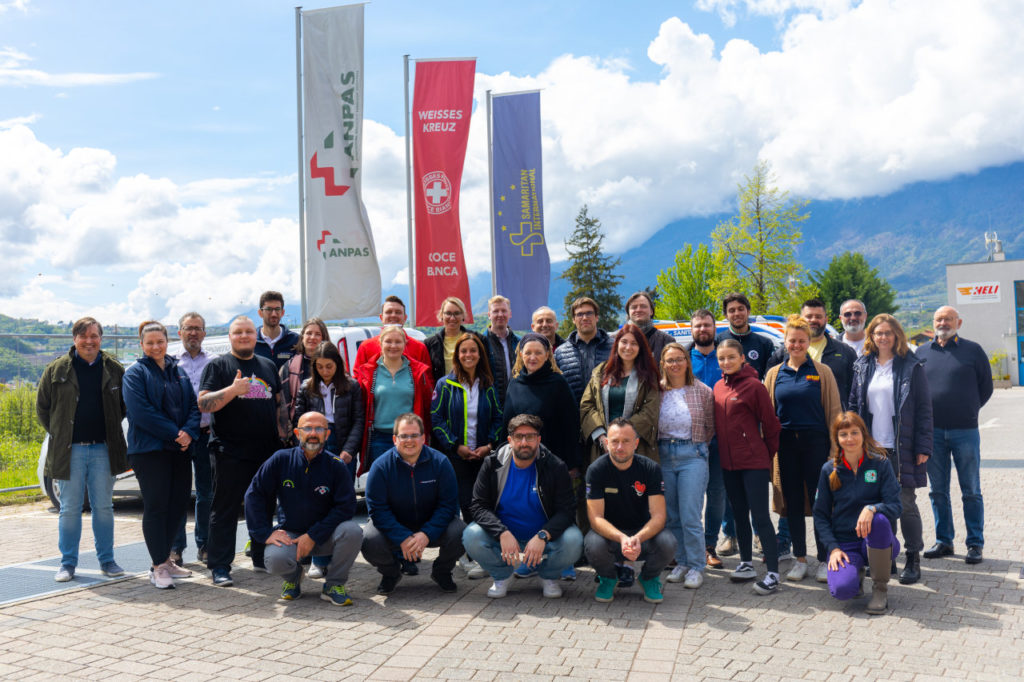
{"points": [[147, 151]]}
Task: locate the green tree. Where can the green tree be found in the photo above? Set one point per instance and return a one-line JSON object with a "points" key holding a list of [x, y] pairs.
{"points": [[849, 275], [685, 286], [591, 273], [756, 248]]}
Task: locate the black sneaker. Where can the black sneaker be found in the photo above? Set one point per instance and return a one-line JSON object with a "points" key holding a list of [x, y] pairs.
{"points": [[201, 555], [388, 583], [444, 581], [222, 578], [410, 568], [767, 585], [626, 575]]}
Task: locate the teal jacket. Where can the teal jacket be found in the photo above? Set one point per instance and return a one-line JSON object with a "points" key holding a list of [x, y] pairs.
{"points": [[449, 416], [56, 401]]}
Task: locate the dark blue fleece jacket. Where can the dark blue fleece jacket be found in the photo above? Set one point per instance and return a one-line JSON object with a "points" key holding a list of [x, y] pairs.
{"points": [[403, 500]]}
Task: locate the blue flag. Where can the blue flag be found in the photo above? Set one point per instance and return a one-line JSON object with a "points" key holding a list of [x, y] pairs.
{"points": [[522, 268]]}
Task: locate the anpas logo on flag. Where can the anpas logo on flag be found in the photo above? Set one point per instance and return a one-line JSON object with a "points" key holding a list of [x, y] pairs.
{"points": [[438, 192]]}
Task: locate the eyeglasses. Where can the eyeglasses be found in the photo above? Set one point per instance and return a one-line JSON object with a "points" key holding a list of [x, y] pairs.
{"points": [[189, 330], [272, 310], [585, 313], [408, 436], [525, 437], [449, 313], [853, 313], [882, 335], [675, 361], [312, 429]]}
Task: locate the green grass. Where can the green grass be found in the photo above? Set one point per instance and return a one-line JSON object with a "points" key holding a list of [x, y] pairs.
{"points": [[18, 460]]}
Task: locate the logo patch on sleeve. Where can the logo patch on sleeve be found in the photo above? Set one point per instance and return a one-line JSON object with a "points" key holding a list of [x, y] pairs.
{"points": [[870, 476], [639, 488], [321, 490]]}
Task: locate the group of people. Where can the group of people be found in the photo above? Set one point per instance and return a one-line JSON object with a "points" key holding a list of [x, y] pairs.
{"points": [[521, 456]]}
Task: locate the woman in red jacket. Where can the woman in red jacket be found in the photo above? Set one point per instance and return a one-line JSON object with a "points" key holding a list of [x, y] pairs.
{"points": [[748, 435], [392, 385]]}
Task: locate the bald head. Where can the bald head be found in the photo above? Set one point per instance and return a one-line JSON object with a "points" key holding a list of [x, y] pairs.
{"points": [[946, 322]]}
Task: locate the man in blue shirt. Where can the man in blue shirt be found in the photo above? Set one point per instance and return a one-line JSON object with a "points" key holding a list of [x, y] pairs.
{"points": [[960, 382], [413, 499], [523, 509], [317, 501]]}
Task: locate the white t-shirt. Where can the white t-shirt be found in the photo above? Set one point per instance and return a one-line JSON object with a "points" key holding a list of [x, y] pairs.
{"points": [[675, 420], [856, 345], [881, 405], [472, 403], [327, 391]]}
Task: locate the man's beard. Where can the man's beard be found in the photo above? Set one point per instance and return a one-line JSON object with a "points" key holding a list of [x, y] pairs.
{"points": [[704, 338], [312, 447], [244, 354], [526, 455], [854, 328], [945, 334]]}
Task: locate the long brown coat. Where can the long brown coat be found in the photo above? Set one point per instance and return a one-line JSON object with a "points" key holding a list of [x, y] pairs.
{"points": [[646, 410]]}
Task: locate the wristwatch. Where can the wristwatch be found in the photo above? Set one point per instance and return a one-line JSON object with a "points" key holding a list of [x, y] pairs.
{"points": [[543, 535], [873, 508]]}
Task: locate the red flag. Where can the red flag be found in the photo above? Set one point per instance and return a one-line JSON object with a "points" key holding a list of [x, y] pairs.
{"points": [[442, 103]]}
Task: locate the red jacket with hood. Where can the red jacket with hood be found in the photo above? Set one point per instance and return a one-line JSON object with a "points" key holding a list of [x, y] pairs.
{"points": [[745, 421]]}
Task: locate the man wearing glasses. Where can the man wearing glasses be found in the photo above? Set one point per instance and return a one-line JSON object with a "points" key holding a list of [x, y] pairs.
{"points": [[855, 318], [274, 341], [413, 500], [523, 509], [585, 348], [313, 489]]}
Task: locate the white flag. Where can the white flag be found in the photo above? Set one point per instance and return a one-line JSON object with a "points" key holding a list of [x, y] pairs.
{"points": [[342, 275]]}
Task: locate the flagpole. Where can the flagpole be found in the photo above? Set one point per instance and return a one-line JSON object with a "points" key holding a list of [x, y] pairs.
{"points": [[490, 194], [302, 170], [408, 194]]}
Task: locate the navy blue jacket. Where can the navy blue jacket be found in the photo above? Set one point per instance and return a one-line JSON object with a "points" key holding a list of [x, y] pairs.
{"points": [[284, 349], [449, 418], [912, 422], [315, 496], [150, 428], [577, 359], [836, 511], [494, 355], [757, 348], [403, 500]]}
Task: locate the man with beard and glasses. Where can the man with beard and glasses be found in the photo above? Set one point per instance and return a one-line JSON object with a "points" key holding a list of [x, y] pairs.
{"points": [[313, 489], [523, 510], [250, 422], [838, 357], [855, 318], [960, 381]]}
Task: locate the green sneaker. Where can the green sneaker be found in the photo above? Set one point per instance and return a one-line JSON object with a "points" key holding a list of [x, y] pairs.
{"points": [[290, 591], [336, 595], [606, 589], [652, 590], [247, 550]]}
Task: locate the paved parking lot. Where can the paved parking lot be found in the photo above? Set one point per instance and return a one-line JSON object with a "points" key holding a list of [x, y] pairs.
{"points": [[960, 622]]}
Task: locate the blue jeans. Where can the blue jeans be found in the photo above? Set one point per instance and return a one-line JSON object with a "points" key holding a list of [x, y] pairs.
{"points": [[714, 512], [90, 469], [559, 554], [380, 442], [203, 479], [684, 466], [963, 446]]}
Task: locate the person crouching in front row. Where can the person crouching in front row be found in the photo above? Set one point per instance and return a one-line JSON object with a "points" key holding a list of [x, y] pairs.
{"points": [[856, 507]]}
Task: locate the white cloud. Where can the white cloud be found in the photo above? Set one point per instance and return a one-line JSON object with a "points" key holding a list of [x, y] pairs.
{"points": [[19, 121], [13, 71], [7, 5], [729, 9]]}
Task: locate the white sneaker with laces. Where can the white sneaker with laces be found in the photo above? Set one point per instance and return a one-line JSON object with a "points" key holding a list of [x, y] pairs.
{"points": [[821, 575], [743, 572], [552, 590], [797, 572], [694, 579], [498, 590], [176, 571], [677, 574], [315, 572], [473, 570]]}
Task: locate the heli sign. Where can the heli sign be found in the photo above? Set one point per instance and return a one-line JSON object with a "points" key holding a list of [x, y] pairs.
{"points": [[977, 292]]}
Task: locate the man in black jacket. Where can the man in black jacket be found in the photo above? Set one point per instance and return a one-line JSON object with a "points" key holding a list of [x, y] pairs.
{"points": [[501, 343], [835, 355], [523, 509], [640, 309]]}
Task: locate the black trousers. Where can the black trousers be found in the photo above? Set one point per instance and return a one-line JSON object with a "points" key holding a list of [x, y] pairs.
{"points": [[165, 481], [747, 490], [231, 478], [801, 456], [465, 475]]}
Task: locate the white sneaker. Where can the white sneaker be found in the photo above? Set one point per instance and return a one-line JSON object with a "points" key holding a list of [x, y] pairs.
{"points": [[315, 572], [694, 579], [176, 571], [160, 578], [677, 574], [821, 575], [786, 554], [743, 572], [798, 571], [498, 590], [552, 590], [473, 570]]}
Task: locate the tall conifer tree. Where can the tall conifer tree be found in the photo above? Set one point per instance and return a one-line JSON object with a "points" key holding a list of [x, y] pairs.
{"points": [[591, 273]]}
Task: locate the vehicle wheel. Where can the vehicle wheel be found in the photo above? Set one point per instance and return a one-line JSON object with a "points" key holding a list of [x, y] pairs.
{"points": [[53, 492]]}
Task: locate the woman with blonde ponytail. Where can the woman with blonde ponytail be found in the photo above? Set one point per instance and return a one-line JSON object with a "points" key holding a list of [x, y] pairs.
{"points": [[856, 507]]}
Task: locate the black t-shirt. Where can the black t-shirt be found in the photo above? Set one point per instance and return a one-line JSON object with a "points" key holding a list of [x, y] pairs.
{"points": [[625, 493], [246, 427]]}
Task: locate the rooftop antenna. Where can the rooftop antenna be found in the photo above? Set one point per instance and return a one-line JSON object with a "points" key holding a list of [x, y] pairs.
{"points": [[994, 247]]}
